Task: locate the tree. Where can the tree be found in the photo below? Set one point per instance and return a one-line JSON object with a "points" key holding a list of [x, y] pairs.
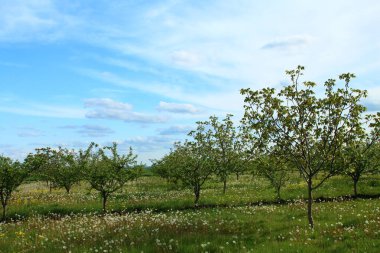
{"points": [[107, 171], [275, 169], [39, 165], [61, 167], [310, 128], [65, 168], [196, 166], [191, 161], [197, 156], [226, 148], [168, 167], [361, 155], [12, 175]]}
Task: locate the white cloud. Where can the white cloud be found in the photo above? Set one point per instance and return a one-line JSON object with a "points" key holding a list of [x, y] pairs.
{"points": [[105, 108], [176, 130], [293, 42], [372, 102], [149, 143], [90, 130], [185, 58], [177, 108], [34, 20], [44, 110], [218, 39], [14, 152], [107, 103], [225, 40], [218, 100]]}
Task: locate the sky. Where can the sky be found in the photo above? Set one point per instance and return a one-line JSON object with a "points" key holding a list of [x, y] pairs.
{"points": [[141, 73]]}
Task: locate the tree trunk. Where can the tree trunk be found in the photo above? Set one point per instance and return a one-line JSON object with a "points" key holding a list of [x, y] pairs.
{"points": [[278, 189], [196, 193], [310, 203], [104, 197], [67, 189], [355, 187], [224, 185], [237, 176], [4, 210]]}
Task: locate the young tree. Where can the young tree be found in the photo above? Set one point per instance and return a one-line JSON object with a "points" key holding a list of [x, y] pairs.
{"points": [[275, 169], [168, 167], [66, 168], [11, 176], [39, 165], [195, 167], [107, 171], [361, 155], [197, 156], [61, 167], [310, 128], [190, 161], [226, 148]]}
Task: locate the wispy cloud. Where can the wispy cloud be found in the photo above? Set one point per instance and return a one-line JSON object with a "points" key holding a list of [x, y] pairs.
{"points": [[176, 130], [185, 58], [90, 130], [215, 99], [149, 143], [34, 20], [29, 132], [288, 43], [105, 108], [107, 103], [177, 108], [372, 102], [175, 51], [44, 110]]}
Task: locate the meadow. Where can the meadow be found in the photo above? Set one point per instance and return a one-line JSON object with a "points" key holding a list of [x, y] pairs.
{"points": [[151, 215]]}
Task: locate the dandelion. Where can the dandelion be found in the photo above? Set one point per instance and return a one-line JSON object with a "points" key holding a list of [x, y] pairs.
{"points": [[20, 233]]}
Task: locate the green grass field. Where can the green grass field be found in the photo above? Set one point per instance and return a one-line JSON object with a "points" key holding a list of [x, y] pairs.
{"points": [[149, 215]]}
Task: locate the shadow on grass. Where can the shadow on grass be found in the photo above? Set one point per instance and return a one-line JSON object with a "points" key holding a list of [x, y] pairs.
{"points": [[57, 212]]}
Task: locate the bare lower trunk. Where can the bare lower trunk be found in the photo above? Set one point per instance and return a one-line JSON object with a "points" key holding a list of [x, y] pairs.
{"points": [[104, 197], [278, 190], [356, 187], [310, 203], [237, 175], [67, 190], [196, 194], [4, 212], [224, 185]]}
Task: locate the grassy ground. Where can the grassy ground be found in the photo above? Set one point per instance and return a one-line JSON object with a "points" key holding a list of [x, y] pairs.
{"points": [[167, 222]]}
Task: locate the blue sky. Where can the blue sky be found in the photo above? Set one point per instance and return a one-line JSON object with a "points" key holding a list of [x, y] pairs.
{"points": [[142, 72]]}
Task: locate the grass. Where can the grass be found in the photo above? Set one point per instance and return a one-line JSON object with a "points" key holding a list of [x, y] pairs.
{"points": [[150, 216]]}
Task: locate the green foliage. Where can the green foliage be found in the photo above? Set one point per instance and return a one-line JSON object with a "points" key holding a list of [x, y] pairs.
{"points": [[275, 169], [227, 147], [168, 167], [190, 162], [361, 155], [61, 168], [107, 171], [11, 176], [308, 129]]}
